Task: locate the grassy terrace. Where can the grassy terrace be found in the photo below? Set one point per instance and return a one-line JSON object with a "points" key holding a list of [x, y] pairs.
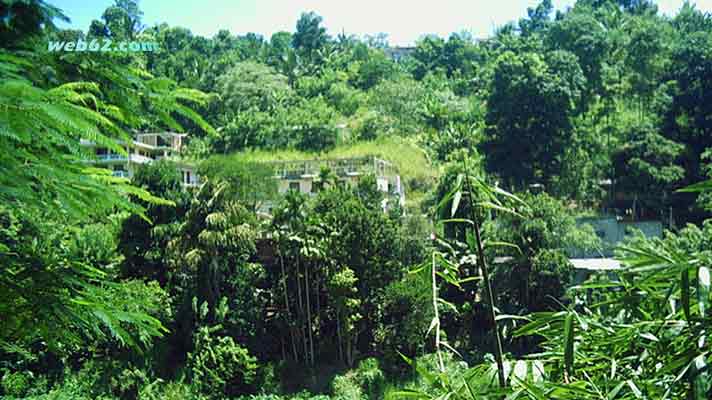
{"points": [[411, 162]]}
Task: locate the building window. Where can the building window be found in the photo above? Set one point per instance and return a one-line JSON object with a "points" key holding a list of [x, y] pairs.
{"points": [[294, 186]]}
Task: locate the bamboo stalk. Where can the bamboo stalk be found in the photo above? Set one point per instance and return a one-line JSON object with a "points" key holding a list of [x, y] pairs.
{"points": [[309, 321], [436, 317], [485, 276]]}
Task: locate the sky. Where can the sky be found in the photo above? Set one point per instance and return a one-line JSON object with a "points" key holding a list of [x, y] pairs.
{"points": [[403, 21]]}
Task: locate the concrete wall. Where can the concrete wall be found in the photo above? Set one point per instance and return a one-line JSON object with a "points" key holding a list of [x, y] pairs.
{"points": [[385, 184], [612, 232], [305, 185]]}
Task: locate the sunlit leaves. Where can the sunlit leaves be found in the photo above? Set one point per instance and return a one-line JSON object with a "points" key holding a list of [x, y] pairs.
{"points": [[632, 344], [569, 343], [56, 287], [703, 290]]}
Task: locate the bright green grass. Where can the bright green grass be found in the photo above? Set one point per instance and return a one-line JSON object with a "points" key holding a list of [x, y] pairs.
{"points": [[412, 164]]}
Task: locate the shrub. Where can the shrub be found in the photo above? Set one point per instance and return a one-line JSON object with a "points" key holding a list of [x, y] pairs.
{"points": [[550, 275], [116, 379], [372, 126], [367, 381], [220, 367], [345, 99], [268, 379], [370, 377], [454, 369], [76, 386], [160, 390], [127, 383], [17, 384], [408, 296], [345, 387]]}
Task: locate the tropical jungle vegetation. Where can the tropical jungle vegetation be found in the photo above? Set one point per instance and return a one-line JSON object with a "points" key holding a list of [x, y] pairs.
{"points": [[116, 288]]}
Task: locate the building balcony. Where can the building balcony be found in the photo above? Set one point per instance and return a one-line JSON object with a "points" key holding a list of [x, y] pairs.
{"points": [[350, 167], [139, 159], [121, 158], [111, 157], [121, 174]]}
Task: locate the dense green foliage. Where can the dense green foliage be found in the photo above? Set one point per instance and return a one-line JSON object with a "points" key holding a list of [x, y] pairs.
{"points": [[113, 288]]}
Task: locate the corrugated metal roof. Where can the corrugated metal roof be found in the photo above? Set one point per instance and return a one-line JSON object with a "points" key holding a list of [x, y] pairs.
{"points": [[593, 264], [596, 264]]}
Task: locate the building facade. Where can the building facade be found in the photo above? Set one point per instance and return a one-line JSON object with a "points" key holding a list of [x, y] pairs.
{"points": [[613, 231], [302, 176], [299, 175], [145, 148], [398, 54]]}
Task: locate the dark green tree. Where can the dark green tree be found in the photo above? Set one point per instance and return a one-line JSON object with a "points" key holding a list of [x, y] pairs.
{"points": [[537, 18], [310, 36], [529, 116], [121, 21], [143, 243], [648, 167]]}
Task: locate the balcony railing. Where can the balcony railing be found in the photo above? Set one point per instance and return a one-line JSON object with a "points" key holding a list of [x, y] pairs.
{"points": [[193, 182], [137, 158], [111, 157], [341, 167], [121, 174]]}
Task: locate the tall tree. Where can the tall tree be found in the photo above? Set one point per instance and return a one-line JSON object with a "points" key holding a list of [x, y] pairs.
{"points": [[23, 19], [648, 167], [310, 36], [537, 18], [529, 116], [121, 21]]}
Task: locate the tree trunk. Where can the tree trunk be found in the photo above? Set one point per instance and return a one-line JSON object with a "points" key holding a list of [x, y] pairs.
{"points": [[282, 346], [318, 310], [309, 322], [338, 335], [301, 312], [290, 320], [350, 345]]}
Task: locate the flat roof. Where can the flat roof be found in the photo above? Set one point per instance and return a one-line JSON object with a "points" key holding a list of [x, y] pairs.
{"points": [[596, 264], [160, 134], [592, 264], [322, 160]]}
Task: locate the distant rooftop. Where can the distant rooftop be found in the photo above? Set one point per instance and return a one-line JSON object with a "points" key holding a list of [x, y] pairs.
{"points": [[398, 53]]}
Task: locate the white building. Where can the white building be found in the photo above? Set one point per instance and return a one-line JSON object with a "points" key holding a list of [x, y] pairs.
{"points": [[144, 149], [399, 54], [301, 175]]}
